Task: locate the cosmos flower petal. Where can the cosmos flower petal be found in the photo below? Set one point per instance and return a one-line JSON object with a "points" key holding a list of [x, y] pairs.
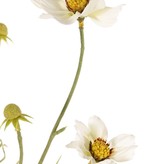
{"points": [[124, 146], [46, 16], [107, 161], [92, 161], [57, 10], [67, 18], [85, 141], [106, 16], [74, 144], [82, 130], [97, 128], [122, 140], [123, 154], [93, 6], [50, 4], [62, 17], [79, 146]]}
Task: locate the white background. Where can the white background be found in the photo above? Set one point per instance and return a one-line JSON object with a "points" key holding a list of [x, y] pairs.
{"points": [[117, 82]]}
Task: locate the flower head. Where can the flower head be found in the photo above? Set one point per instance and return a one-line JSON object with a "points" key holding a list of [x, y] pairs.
{"points": [[3, 32], [68, 11], [91, 143], [13, 114]]}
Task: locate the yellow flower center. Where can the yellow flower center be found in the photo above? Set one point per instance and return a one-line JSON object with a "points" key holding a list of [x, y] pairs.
{"points": [[76, 5], [3, 29], [12, 111], [100, 150]]}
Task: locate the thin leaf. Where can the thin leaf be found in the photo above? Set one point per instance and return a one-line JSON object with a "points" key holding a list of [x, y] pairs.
{"points": [[60, 131], [16, 124], [3, 123], [58, 159], [7, 124], [24, 119], [27, 115]]}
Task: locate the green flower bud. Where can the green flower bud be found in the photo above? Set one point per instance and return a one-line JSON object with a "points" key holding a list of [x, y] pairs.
{"points": [[12, 111]]}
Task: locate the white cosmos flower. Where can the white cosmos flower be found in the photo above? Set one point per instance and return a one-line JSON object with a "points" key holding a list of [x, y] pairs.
{"points": [[91, 143], [68, 11]]}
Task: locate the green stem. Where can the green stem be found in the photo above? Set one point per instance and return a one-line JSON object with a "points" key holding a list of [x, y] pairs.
{"points": [[19, 136], [53, 133], [1, 145]]}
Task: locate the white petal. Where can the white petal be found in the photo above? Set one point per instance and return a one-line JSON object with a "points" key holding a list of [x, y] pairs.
{"points": [[51, 4], [66, 17], [122, 140], [57, 10], [79, 146], [37, 3], [107, 161], [123, 154], [46, 16], [97, 128], [62, 17], [92, 161], [123, 147], [85, 142], [82, 141], [93, 6], [74, 144], [106, 16], [83, 130]]}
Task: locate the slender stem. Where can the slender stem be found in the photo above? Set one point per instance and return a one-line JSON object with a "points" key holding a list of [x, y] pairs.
{"points": [[19, 136], [1, 145], [53, 133]]}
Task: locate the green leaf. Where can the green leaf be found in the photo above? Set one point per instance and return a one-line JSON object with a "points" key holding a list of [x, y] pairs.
{"points": [[7, 124], [3, 123], [16, 124], [58, 159], [24, 119], [27, 115], [60, 131]]}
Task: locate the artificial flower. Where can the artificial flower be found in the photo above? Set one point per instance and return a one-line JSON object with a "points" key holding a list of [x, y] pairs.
{"points": [[13, 114], [91, 143], [68, 11], [3, 32]]}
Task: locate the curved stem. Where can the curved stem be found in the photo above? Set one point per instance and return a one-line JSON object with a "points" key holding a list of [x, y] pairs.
{"points": [[1, 145], [19, 136], [53, 133]]}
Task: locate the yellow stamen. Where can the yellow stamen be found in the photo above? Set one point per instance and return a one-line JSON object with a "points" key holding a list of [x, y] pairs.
{"points": [[100, 150], [12, 111], [76, 5]]}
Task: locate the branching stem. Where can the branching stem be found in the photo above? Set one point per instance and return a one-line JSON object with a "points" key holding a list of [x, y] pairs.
{"points": [[53, 133]]}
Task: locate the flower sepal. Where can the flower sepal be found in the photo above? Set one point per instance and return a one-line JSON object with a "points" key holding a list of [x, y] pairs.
{"points": [[13, 114]]}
